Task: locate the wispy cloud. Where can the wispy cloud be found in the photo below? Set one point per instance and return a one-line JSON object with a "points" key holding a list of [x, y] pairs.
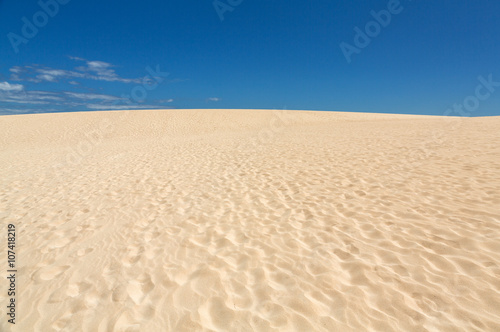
{"points": [[122, 107], [92, 70], [15, 93], [24, 110], [91, 96], [6, 86], [37, 74], [71, 92], [213, 99], [103, 71], [76, 58]]}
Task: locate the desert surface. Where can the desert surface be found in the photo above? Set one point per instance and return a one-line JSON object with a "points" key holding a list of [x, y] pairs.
{"points": [[251, 220]]}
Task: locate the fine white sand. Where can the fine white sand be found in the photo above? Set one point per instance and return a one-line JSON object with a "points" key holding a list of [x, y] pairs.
{"points": [[241, 220]]}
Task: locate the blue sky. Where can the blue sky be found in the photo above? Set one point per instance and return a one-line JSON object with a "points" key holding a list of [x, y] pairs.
{"points": [[421, 57]]}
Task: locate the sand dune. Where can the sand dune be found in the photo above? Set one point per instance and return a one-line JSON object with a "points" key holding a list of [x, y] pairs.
{"points": [[241, 220]]}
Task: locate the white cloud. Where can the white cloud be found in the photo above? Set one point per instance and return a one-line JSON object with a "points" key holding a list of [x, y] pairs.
{"points": [[92, 70], [102, 71], [6, 86], [122, 107], [18, 98], [76, 58], [15, 69], [91, 96], [213, 99], [29, 97], [46, 77], [13, 111]]}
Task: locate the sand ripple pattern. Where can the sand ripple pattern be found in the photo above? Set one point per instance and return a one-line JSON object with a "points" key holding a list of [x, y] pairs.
{"points": [[253, 221]]}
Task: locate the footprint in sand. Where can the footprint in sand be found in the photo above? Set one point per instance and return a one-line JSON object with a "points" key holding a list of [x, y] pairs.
{"points": [[215, 312], [119, 294], [49, 273], [58, 244], [78, 288], [133, 256], [138, 289], [83, 252]]}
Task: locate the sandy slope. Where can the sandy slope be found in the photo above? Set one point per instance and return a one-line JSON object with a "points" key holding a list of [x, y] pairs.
{"points": [[234, 220]]}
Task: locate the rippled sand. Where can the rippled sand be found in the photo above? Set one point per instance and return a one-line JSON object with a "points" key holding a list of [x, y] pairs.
{"points": [[237, 220]]}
